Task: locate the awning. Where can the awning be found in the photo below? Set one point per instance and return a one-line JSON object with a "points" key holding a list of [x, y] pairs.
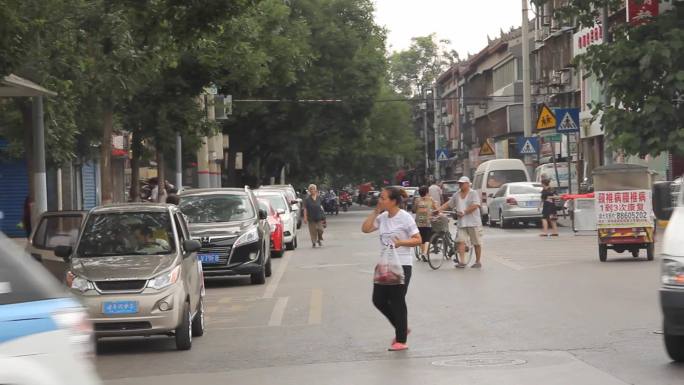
{"points": [[14, 86]]}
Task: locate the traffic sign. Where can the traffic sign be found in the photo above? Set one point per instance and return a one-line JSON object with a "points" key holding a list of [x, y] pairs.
{"points": [[442, 154], [528, 145], [486, 149], [555, 138], [546, 119], [568, 120]]}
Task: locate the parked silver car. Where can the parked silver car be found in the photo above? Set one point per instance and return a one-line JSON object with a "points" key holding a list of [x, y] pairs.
{"points": [[516, 202]]}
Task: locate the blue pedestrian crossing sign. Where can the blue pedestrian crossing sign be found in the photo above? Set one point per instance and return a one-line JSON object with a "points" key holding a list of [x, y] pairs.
{"points": [[442, 154], [528, 145], [567, 120]]}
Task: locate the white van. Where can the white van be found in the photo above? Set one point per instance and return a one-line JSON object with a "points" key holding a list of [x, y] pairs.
{"points": [[548, 171], [493, 174]]}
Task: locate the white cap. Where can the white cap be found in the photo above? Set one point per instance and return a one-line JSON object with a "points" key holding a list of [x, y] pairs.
{"points": [[464, 179]]}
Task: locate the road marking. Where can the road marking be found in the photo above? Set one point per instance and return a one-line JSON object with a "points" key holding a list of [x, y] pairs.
{"points": [[275, 279], [323, 266], [278, 312], [508, 263], [316, 307]]}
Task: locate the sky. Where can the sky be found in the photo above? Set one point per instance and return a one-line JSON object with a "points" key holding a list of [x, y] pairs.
{"points": [[465, 22]]}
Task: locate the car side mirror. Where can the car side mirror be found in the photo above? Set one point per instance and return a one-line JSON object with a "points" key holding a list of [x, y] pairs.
{"points": [[294, 202], [64, 252], [263, 214], [281, 211], [192, 245], [663, 203]]}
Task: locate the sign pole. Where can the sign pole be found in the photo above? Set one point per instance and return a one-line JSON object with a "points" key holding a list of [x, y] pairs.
{"points": [[569, 167], [527, 91], [555, 166]]}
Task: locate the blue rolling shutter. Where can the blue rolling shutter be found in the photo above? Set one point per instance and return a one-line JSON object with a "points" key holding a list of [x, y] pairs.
{"points": [[14, 188], [89, 186]]}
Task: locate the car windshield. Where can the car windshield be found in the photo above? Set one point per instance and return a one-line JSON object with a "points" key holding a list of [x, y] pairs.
{"points": [[277, 201], [127, 233], [498, 178], [524, 189], [216, 208], [450, 188]]}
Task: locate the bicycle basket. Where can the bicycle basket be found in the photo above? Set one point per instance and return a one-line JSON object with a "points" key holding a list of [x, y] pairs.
{"points": [[440, 224]]}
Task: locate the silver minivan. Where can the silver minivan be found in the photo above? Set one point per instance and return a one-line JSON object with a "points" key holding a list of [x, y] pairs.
{"points": [[135, 269]]}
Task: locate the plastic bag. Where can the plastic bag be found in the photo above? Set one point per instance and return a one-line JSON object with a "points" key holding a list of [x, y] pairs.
{"points": [[389, 271]]}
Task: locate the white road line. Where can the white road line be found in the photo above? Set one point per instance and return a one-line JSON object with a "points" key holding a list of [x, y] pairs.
{"points": [[323, 266], [278, 312], [275, 279], [509, 264], [316, 307]]}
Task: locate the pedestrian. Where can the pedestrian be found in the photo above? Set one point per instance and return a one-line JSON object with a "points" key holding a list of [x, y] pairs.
{"points": [[549, 211], [173, 199], [314, 215], [424, 205], [435, 192], [396, 226], [466, 202]]}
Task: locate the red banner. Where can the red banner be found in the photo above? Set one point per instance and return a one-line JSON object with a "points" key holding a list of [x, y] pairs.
{"points": [[641, 11]]}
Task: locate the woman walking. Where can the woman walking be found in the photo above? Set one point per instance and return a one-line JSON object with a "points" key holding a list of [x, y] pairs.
{"points": [[314, 215], [549, 213], [424, 206], [398, 228]]}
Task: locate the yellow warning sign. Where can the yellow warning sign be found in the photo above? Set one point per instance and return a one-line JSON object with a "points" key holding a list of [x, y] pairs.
{"points": [[546, 120], [486, 149]]}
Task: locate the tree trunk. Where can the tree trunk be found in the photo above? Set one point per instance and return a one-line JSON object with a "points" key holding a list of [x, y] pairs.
{"points": [[161, 174], [27, 123], [106, 155], [136, 147]]}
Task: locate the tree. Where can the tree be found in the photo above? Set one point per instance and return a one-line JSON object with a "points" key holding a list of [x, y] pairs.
{"points": [[420, 65], [642, 70]]}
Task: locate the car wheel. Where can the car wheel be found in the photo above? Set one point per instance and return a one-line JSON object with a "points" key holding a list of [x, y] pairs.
{"points": [[603, 253], [198, 321], [635, 253], [674, 345], [184, 330], [267, 268], [502, 221], [291, 245]]}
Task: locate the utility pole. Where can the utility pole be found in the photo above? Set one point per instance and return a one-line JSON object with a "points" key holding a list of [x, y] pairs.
{"points": [[203, 152], [527, 97], [607, 152], [435, 124], [423, 105], [39, 175], [179, 163]]}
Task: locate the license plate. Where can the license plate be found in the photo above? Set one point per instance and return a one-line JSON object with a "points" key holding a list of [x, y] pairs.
{"points": [[120, 307], [209, 259], [531, 204]]}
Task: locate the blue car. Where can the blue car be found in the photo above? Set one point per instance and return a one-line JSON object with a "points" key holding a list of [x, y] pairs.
{"points": [[45, 335]]}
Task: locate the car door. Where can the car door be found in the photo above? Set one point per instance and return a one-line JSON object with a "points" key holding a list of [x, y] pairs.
{"points": [[55, 229], [192, 269], [497, 202]]}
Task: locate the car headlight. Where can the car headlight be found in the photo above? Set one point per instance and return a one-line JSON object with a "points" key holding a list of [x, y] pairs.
{"points": [[165, 279], [672, 272], [251, 236], [75, 282]]}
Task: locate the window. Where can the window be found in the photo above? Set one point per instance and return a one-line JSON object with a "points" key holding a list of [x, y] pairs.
{"points": [[127, 233], [217, 208], [20, 281], [56, 231], [501, 192], [277, 201], [498, 178], [478, 181], [504, 75]]}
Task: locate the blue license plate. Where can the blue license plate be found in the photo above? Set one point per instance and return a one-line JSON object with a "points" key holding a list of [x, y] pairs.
{"points": [[209, 259], [120, 307], [531, 204]]}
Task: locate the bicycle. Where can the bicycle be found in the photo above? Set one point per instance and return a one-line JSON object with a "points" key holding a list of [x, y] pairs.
{"points": [[442, 245]]}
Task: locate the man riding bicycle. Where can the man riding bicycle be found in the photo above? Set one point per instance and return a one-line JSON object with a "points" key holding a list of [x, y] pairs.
{"points": [[466, 203]]}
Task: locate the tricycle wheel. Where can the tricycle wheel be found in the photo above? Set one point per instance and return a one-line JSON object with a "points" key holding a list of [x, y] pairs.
{"points": [[603, 252], [650, 251], [635, 253]]}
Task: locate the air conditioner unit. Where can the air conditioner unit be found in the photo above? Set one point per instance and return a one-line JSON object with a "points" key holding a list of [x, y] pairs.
{"points": [[555, 78], [566, 77]]}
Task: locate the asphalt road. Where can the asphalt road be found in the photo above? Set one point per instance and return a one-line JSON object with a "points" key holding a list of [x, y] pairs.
{"points": [[540, 311]]}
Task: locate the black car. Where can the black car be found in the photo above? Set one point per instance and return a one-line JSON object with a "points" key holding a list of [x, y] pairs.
{"points": [[234, 232]]}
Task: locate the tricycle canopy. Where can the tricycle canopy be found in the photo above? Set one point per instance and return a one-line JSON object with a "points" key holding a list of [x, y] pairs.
{"points": [[621, 177]]}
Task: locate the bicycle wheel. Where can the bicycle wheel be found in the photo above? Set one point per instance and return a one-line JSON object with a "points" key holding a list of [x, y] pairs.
{"points": [[469, 253], [438, 248], [416, 252]]}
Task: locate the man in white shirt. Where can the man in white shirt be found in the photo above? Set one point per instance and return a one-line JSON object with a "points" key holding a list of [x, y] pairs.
{"points": [[466, 203], [435, 193]]}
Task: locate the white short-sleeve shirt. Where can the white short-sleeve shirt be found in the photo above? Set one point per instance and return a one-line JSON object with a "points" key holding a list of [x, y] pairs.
{"points": [[400, 226]]}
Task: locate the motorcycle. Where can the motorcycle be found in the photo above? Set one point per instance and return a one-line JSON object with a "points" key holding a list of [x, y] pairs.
{"points": [[345, 202], [330, 205]]}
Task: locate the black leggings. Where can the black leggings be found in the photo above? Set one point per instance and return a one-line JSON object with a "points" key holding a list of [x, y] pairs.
{"points": [[391, 301]]}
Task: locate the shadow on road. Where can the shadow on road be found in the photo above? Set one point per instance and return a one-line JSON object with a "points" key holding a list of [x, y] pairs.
{"points": [[128, 345]]}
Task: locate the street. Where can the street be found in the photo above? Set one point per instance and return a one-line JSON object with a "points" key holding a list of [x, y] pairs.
{"points": [[540, 311]]}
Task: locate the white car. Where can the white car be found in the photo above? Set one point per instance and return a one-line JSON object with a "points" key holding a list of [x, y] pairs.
{"points": [[278, 200], [45, 335]]}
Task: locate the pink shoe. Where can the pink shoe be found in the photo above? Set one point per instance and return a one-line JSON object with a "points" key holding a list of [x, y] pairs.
{"points": [[397, 346], [408, 333]]}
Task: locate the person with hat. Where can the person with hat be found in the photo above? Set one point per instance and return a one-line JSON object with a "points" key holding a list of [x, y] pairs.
{"points": [[466, 203]]}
